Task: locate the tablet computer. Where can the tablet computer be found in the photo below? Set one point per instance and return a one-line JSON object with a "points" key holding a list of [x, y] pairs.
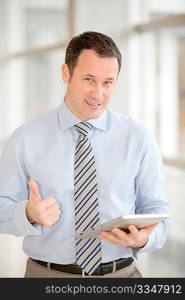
{"points": [[139, 220]]}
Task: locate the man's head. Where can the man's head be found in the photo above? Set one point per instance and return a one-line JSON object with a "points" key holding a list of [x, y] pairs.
{"points": [[91, 67]]}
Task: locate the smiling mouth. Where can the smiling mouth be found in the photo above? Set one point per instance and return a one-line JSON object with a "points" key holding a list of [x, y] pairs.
{"points": [[93, 104]]}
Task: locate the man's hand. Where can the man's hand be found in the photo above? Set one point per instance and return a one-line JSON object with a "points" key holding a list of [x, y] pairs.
{"points": [[135, 238], [42, 211]]}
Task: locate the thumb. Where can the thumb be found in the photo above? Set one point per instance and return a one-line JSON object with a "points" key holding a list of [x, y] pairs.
{"points": [[150, 228], [34, 191]]}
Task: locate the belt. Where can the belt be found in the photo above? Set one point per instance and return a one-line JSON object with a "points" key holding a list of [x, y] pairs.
{"points": [[101, 269]]}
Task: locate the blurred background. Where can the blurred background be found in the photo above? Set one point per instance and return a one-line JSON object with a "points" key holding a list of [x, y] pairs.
{"points": [[150, 89]]}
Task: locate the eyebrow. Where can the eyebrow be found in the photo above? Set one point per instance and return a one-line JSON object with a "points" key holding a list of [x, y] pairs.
{"points": [[92, 76]]}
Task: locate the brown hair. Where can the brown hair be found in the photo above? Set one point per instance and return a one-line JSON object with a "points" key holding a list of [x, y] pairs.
{"points": [[102, 44]]}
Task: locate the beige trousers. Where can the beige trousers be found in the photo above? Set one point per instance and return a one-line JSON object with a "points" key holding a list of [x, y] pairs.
{"points": [[33, 269]]}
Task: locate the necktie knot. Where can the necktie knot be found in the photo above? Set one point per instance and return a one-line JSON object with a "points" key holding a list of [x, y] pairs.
{"points": [[83, 128]]}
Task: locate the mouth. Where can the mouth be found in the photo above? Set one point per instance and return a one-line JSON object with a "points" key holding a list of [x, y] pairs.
{"points": [[93, 104]]}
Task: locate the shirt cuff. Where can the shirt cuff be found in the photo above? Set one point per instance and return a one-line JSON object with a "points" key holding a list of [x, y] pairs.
{"points": [[22, 225]]}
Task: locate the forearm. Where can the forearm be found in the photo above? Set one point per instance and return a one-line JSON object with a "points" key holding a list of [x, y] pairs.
{"points": [[13, 190], [13, 219]]}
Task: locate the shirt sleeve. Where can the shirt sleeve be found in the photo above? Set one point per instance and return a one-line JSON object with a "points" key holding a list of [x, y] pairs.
{"points": [[14, 190], [150, 193]]}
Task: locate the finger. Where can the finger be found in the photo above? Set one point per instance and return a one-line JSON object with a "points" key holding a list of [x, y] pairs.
{"points": [[54, 216], [52, 220], [113, 237], [48, 202], [134, 233], [121, 234], [150, 228], [54, 209], [34, 191]]}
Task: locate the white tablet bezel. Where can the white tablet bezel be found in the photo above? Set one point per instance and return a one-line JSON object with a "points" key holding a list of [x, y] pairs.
{"points": [[139, 220]]}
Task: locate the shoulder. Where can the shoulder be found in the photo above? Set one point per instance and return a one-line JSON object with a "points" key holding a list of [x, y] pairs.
{"points": [[37, 129], [127, 124], [39, 125], [131, 132], [134, 134], [41, 122]]}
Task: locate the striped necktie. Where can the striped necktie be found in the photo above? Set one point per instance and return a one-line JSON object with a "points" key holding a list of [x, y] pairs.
{"points": [[88, 251]]}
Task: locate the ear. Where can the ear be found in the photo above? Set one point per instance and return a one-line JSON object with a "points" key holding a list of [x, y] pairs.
{"points": [[65, 73]]}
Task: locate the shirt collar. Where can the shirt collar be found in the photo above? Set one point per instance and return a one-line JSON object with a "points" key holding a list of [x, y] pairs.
{"points": [[67, 119]]}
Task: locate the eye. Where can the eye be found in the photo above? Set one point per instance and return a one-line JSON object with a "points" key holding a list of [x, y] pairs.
{"points": [[88, 79], [108, 82]]}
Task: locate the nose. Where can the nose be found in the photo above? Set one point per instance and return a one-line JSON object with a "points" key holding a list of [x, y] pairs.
{"points": [[97, 92]]}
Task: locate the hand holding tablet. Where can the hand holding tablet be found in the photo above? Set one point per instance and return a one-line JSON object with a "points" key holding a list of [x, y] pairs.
{"points": [[139, 220]]}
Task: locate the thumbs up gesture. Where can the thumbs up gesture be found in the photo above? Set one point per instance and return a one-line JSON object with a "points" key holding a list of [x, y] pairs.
{"points": [[42, 211]]}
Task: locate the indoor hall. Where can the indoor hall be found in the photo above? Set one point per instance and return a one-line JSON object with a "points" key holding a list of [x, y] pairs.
{"points": [[150, 89]]}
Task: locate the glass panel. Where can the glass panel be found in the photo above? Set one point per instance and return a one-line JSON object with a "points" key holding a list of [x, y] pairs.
{"points": [[44, 87], [181, 94], [44, 27]]}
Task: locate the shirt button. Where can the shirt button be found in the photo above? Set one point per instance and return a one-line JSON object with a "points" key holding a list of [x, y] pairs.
{"points": [[27, 230]]}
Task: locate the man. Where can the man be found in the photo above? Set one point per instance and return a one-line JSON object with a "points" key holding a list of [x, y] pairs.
{"points": [[80, 165]]}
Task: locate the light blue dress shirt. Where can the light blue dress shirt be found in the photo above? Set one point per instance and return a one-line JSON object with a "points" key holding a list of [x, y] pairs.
{"points": [[129, 173]]}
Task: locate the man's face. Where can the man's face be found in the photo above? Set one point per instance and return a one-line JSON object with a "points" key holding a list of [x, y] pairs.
{"points": [[90, 87]]}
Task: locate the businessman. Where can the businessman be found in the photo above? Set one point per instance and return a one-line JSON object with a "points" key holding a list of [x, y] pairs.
{"points": [[80, 165]]}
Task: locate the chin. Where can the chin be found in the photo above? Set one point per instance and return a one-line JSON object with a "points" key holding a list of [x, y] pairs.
{"points": [[94, 116]]}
